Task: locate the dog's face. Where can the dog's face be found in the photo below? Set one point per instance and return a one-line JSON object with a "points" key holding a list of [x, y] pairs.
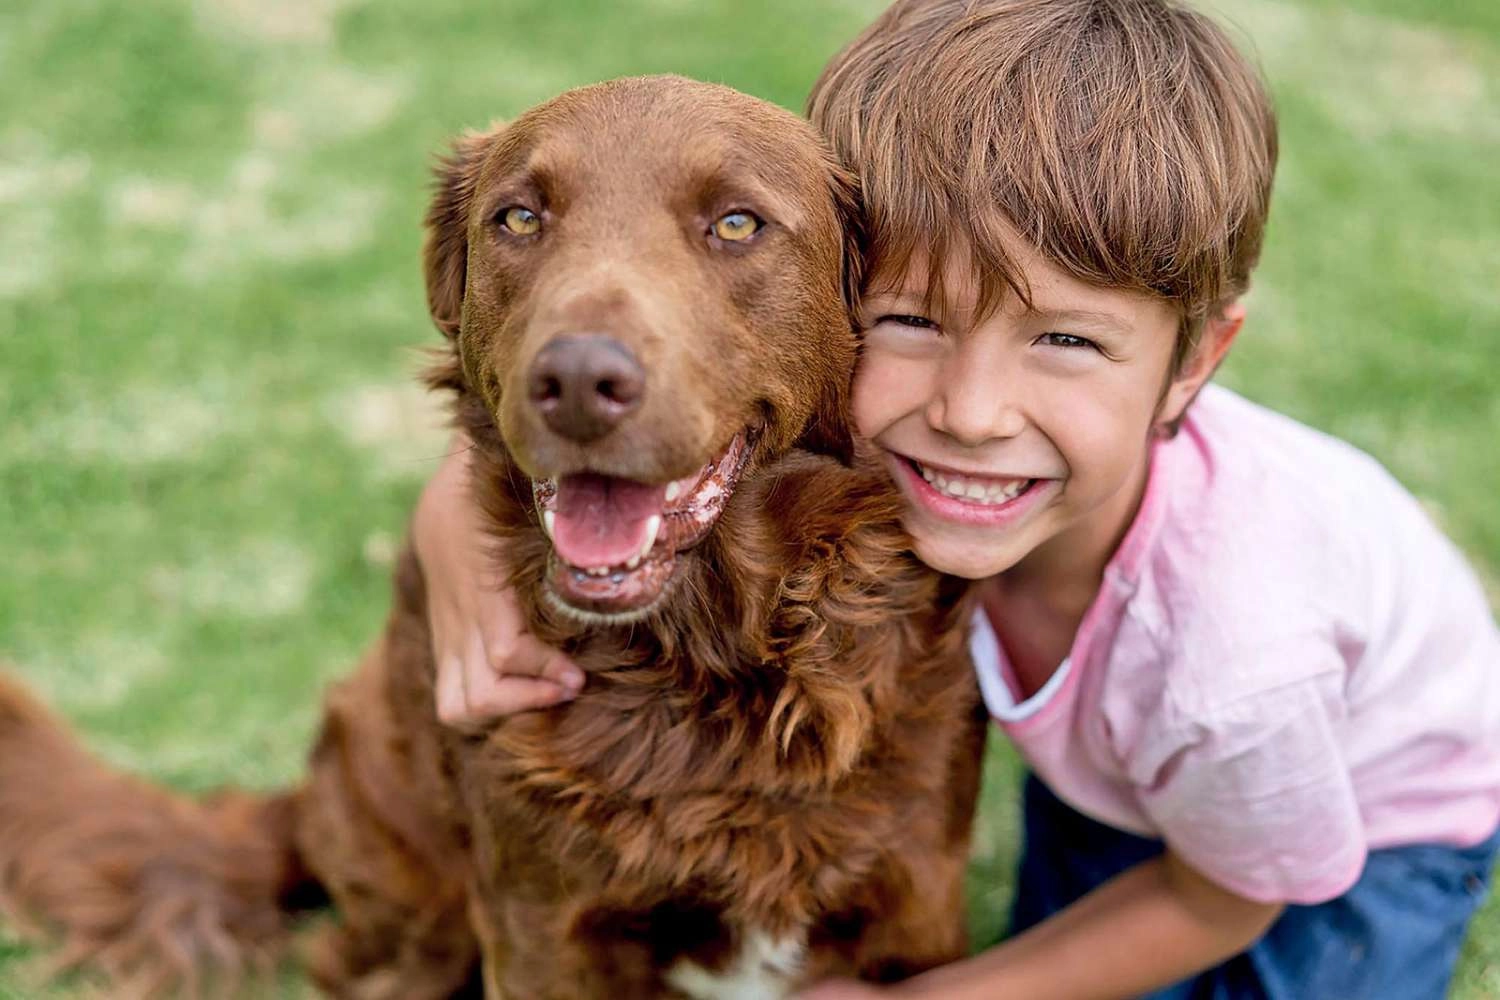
{"points": [[646, 281]]}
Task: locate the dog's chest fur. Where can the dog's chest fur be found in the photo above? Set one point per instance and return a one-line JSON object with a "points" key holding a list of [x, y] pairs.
{"points": [[754, 758], [763, 968]]}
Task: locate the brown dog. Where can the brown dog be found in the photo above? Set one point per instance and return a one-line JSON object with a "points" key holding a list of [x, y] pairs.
{"points": [[771, 772]]}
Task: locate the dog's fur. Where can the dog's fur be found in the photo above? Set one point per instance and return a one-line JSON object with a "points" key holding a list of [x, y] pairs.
{"points": [[770, 776]]}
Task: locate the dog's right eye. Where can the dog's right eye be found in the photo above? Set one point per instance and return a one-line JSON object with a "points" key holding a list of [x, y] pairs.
{"points": [[521, 221], [736, 227]]}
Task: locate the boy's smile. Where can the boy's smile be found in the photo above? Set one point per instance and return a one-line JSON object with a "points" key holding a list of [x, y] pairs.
{"points": [[1020, 437], [978, 498]]}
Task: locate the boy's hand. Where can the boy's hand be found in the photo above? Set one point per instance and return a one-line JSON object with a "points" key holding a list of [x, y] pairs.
{"points": [[845, 989], [487, 665]]}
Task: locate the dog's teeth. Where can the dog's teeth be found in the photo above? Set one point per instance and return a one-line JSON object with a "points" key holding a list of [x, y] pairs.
{"points": [[549, 522], [633, 562], [674, 490], [597, 571], [653, 525]]}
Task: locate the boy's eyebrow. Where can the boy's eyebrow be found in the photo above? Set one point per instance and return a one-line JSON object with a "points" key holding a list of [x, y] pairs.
{"points": [[1084, 316], [893, 295], [1102, 321]]}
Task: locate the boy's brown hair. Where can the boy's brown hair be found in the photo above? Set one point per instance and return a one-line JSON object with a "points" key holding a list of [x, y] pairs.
{"points": [[1127, 140]]}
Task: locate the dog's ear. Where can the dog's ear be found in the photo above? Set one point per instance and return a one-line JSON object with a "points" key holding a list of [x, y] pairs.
{"points": [[446, 251], [849, 205], [829, 430]]}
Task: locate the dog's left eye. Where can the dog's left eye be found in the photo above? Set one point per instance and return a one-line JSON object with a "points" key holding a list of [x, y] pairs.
{"points": [[736, 226], [521, 221]]}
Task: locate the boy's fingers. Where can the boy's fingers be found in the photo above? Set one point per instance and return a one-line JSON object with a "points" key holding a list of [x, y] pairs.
{"points": [[560, 670], [469, 694], [490, 690], [516, 694], [526, 656], [838, 989], [511, 651], [452, 702]]}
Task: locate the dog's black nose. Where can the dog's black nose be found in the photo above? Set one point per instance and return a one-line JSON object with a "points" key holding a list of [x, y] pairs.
{"points": [[583, 385]]}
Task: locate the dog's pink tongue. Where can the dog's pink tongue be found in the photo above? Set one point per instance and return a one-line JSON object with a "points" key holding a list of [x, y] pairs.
{"points": [[600, 520]]}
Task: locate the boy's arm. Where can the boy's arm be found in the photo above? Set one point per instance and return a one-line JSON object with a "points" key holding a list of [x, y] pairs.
{"points": [[487, 665], [1156, 924]]}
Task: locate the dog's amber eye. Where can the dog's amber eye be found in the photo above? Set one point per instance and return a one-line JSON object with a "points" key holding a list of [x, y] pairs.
{"points": [[736, 226], [521, 221]]}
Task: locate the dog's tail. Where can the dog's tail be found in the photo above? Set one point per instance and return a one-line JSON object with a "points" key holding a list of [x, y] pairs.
{"points": [[157, 892]]}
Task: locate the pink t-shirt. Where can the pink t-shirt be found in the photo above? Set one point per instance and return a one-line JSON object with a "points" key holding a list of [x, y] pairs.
{"points": [[1287, 666]]}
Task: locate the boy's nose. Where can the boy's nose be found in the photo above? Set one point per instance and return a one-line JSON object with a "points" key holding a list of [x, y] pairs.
{"points": [[972, 418]]}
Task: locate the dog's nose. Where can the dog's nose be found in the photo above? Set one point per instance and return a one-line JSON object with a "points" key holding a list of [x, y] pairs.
{"points": [[583, 385]]}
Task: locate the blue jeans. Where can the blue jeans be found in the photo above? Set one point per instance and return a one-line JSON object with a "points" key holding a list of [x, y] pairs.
{"points": [[1395, 935]]}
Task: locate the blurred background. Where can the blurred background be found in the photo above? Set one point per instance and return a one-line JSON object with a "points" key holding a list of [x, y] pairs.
{"points": [[211, 309]]}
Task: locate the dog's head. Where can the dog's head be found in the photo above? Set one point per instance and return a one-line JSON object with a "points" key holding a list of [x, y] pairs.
{"points": [[647, 285]]}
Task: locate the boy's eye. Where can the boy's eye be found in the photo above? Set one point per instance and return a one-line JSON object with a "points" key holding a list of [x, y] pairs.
{"points": [[1066, 340], [921, 322]]}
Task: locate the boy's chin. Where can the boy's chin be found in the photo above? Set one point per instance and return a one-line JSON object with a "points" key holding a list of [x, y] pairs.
{"points": [[960, 553]]}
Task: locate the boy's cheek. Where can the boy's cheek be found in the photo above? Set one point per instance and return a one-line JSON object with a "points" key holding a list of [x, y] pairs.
{"points": [[886, 389]]}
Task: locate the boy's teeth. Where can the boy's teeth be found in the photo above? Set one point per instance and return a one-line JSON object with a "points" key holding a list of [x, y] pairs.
{"points": [[974, 490]]}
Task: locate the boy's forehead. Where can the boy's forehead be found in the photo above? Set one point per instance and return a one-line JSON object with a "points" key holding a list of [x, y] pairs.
{"points": [[961, 273], [1050, 289]]}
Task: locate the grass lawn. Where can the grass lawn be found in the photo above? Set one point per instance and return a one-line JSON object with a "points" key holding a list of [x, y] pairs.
{"points": [[210, 300]]}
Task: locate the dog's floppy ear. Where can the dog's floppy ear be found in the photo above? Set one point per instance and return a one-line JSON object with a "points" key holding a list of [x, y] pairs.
{"points": [[446, 252], [851, 213], [829, 431]]}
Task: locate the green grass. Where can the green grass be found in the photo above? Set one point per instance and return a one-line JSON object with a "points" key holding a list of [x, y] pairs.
{"points": [[209, 300]]}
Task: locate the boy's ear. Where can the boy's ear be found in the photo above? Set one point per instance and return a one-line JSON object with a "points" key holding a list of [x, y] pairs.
{"points": [[1219, 331], [445, 253], [829, 431]]}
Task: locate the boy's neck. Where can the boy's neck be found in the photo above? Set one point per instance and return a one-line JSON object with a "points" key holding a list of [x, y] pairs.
{"points": [[1037, 606]]}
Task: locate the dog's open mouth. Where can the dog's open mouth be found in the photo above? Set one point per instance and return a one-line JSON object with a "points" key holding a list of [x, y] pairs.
{"points": [[615, 541]]}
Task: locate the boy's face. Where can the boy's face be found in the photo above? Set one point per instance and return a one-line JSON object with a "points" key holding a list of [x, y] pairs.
{"points": [[1020, 438]]}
